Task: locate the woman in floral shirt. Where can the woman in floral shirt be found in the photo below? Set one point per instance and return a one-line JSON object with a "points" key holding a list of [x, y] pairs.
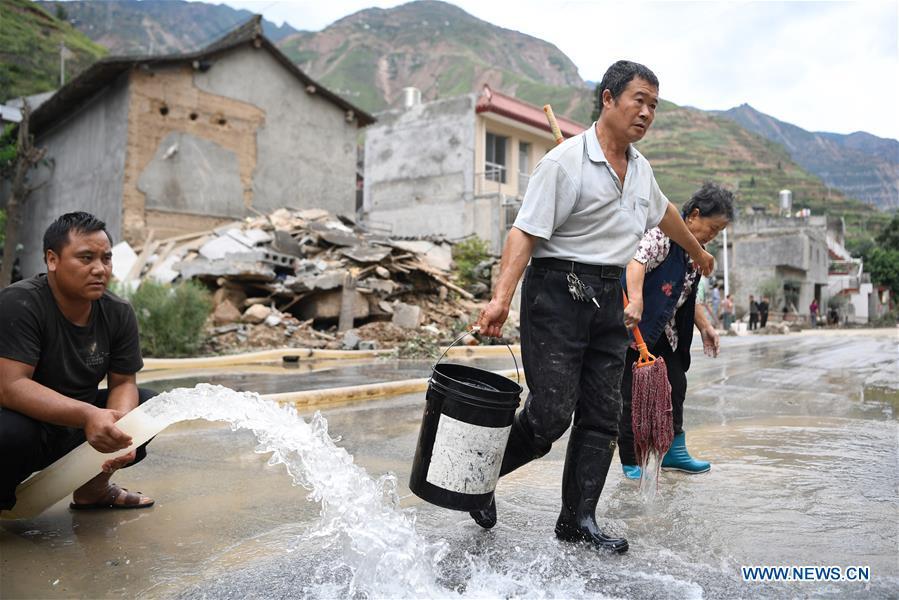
{"points": [[661, 283]]}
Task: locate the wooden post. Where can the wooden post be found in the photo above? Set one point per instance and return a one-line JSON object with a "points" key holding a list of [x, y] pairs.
{"points": [[347, 304]]}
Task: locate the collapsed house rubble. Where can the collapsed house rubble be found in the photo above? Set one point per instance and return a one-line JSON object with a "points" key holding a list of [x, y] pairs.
{"points": [[309, 278]]}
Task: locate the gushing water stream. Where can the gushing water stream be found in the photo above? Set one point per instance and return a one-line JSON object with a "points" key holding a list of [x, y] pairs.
{"points": [[381, 545], [359, 515]]}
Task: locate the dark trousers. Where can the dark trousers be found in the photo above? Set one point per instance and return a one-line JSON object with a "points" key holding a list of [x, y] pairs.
{"points": [[28, 445], [753, 321], [764, 319], [676, 377], [573, 355]]}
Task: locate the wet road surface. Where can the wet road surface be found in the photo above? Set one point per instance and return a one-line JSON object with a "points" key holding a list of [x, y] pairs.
{"points": [[801, 431]]}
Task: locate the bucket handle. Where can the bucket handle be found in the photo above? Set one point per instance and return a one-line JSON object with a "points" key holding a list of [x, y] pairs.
{"points": [[475, 329]]}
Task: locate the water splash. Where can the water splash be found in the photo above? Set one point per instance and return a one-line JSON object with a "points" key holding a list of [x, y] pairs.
{"points": [[379, 552], [649, 477], [380, 543]]}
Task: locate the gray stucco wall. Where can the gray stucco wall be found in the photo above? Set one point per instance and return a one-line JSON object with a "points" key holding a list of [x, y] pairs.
{"points": [[306, 149], [195, 175], [88, 149], [419, 169]]}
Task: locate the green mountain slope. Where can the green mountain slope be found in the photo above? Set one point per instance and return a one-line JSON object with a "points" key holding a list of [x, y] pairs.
{"points": [[861, 165], [30, 40], [371, 55], [688, 146]]}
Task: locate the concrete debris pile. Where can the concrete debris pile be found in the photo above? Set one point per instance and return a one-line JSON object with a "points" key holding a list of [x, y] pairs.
{"points": [[307, 278]]}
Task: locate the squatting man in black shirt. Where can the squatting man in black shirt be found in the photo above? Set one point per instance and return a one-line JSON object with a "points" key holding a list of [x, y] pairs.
{"points": [[61, 333]]}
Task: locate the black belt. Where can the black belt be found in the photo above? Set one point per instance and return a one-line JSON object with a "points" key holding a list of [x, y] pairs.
{"points": [[568, 266]]}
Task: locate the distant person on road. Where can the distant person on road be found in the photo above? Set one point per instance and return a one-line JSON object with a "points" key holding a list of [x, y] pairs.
{"points": [[61, 334], [763, 311], [587, 205], [661, 284], [833, 316], [813, 312], [753, 313], [727, 311]]}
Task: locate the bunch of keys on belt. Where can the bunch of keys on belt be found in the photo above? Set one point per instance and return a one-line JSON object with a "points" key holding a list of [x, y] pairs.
{"points": [[581, 291]]}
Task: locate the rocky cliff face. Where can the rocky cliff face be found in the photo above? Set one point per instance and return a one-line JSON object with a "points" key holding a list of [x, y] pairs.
{"points": [[156, 26]]}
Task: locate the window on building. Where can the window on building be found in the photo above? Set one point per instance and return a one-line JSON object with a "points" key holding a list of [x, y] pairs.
{"points": [[495, 163], [524, 166]]}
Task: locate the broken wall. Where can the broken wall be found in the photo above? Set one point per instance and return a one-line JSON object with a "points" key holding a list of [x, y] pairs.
{"points": [[87, 151], [419, 169], [242, 137], [189, 152]]}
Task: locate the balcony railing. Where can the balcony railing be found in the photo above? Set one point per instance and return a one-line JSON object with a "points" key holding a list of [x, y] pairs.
{"points": [[495, 172]]}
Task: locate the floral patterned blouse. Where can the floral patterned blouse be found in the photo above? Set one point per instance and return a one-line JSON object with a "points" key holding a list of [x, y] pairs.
{"points": [[653, 250]]}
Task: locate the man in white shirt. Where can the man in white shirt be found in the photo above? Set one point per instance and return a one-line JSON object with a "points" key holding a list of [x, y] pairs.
{"points": [[586, 208]]}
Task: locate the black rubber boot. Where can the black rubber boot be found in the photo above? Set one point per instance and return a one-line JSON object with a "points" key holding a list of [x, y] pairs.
{"points": [[586, 465], [519, 451]]}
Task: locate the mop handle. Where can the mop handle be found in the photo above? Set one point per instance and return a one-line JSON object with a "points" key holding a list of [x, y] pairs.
{"points": [[553, 125], [646, 358]]}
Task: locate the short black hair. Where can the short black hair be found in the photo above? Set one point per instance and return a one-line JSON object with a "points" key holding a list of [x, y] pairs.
{"points": [[57, 234], [619, 75], [712, 200]]}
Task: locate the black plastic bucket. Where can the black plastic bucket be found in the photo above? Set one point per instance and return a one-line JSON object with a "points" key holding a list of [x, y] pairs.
{"points": [[466, 423]]}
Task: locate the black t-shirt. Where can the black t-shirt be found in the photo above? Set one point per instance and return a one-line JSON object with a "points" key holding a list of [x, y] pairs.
{"points": [[67, 358]]}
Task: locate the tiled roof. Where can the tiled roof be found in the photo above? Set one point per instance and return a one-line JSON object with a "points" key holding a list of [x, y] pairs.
{"points": [[523, 112], [105, 71]]}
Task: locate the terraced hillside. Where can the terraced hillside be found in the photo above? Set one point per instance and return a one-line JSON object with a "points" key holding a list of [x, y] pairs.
{"points": [[688, 146]]}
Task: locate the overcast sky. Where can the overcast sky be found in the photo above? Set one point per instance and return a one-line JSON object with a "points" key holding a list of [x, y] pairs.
{"points": [[824, 66]]}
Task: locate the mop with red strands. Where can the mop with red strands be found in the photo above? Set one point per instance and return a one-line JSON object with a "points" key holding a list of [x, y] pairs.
{"points": [[651, 412]]}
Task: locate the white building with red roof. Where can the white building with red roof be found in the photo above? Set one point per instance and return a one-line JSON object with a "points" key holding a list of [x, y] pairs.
{"points": [[455, 167]]}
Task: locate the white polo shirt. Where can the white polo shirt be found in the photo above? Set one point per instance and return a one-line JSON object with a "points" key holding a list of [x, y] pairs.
{"points": [[579, 210]]}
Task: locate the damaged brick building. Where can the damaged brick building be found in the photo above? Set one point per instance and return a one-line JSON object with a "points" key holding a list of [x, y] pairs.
{"points": [[185, 142]]}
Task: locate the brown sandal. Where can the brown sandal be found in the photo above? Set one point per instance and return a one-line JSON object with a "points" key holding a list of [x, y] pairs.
{"points": [[131, 500]]}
